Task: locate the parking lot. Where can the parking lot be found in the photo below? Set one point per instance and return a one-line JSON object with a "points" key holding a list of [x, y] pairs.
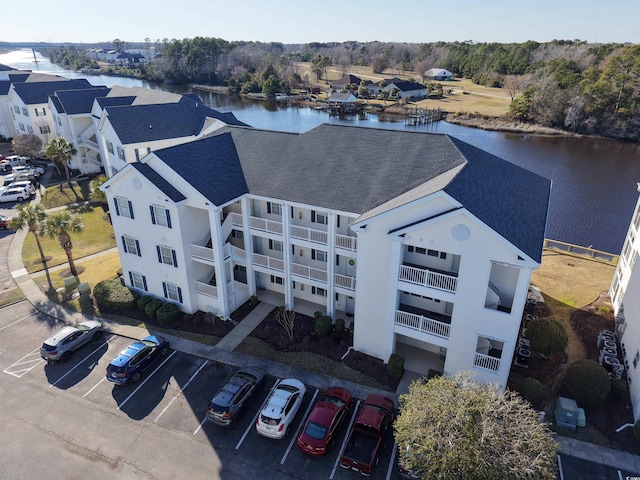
{"points": [[73, 403]]}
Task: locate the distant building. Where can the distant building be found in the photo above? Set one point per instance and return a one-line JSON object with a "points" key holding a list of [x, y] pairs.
{"points": [[438, 74], [407, 89]]}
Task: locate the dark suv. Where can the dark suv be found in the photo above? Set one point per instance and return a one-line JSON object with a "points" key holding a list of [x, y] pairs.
{"points": [[136, 358], [227, 405]]}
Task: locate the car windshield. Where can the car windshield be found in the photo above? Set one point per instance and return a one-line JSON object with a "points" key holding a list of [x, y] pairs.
{"points": [[214, 407], [315, 431]]}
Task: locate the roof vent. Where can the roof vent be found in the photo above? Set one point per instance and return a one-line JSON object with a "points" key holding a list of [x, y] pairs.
{"points": [[150, 127], [196, 104]]}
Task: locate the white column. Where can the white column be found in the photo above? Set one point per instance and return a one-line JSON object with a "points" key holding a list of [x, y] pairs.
{"points": [[289, 301], [245, 204], [218, 254], [331, 261], [390, 314]]}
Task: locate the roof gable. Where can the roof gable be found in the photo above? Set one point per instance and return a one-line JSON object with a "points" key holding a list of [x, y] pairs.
{"points": [[34, 93], [163, 185], [79, 101]]}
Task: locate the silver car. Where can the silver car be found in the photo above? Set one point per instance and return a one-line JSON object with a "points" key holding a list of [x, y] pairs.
{"points": [[60, 346]]}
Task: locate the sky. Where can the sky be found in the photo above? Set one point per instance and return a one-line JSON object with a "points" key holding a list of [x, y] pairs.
{"points": [[303, 21]]}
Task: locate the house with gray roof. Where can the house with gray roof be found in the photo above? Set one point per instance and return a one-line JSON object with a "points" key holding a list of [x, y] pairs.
{"points": [[423, 241], [406, 89]]}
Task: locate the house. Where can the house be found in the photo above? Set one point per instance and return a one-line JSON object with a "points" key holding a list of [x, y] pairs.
{"points": [[342, 98], [625, 297], [438, 74], [406, 89], [349, 79], [426, 241], [374, 88]]}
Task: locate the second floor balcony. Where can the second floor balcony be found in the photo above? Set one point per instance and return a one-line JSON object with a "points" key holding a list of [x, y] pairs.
{"points": [[428, 278], [423, 321]]}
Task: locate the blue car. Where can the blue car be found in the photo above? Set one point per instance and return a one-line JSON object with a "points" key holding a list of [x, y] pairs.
{"points": [[136, 358]]}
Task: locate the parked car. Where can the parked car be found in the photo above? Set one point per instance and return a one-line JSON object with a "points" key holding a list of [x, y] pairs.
{"points": [[60, 346], [318, 433], [228, 404], [18, 177], [136, 358], [25, 184], [280, 409], [14, 195], [4, 222], [36, 171]]}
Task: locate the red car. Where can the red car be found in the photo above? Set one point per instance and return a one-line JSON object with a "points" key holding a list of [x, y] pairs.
{"points": [[4, 222], [317, 436]]}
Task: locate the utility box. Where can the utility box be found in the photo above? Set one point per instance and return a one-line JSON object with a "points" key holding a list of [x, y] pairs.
{"points": [[566, 413]]}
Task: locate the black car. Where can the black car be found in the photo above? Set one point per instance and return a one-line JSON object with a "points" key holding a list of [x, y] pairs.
{"points": [[227, 405], [136, 358]]}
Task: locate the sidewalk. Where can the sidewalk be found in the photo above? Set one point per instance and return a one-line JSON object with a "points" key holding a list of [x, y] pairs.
{"points": [[223, 353]]}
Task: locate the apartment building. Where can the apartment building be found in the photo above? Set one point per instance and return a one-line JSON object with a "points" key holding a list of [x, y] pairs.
{"points": [[428, 243]]}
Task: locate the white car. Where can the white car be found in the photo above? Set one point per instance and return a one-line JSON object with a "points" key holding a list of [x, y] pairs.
{"points": [[36, 171], [25, 184], [14, 195], [280, 409]]}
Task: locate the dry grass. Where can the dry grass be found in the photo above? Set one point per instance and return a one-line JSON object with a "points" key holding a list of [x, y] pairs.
{"points": [[569, 282], [11, 295]]}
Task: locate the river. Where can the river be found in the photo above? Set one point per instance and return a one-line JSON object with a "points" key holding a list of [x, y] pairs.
{"points": [[594, 181]]}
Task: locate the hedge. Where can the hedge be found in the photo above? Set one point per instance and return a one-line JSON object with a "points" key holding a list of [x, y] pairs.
{"points": [[168, 312], [143, 300], [151, 308], [395, 367], [112, 294], [323, 325], [587, 382]]}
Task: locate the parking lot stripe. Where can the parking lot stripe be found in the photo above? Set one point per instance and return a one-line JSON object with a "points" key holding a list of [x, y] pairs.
{"points": [[560, 467], [86, 358], [181, 390], [353, 418], [620, 475], [17, 321], [392, 461], [94, 387], [26, 360], [145, 380], [255, 417], [284, 457], [204, 420]]}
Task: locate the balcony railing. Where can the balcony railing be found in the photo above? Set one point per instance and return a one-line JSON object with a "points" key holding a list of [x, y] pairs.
{"points": [[229, 250], [487, 362], [346, 243], [428, 278], [345, 282], [309, 272], [268, 262], [206, 289], [265, 225], [88, 143], [204, 253], [422, 324], [309, 234], [236, 219]]}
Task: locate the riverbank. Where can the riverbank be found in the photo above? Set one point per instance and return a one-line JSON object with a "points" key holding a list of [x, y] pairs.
{"points": [[502, 124]]}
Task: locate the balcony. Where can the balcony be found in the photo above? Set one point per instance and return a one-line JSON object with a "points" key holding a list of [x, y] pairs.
{"points": [[344, 281], [308, 234], [422, 324], [270, 263], [206, 289], [486, 362], [346, 243], [204, 254], [428, 278], [264, 225], [309, 273], [85, 142]]}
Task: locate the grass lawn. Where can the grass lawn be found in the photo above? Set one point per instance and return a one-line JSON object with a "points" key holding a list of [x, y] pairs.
{"points": [[11, 295], [59, 195], [95, 237]]}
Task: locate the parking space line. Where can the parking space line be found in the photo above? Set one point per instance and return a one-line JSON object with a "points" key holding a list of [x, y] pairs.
{"points": [[284, 457], [17, 321], [145, 380], [94, 387], [83, 360], [560, 467], [181, 390], [204, 420], [393, 460], [26, 360], [353, 419], [255, 417]]}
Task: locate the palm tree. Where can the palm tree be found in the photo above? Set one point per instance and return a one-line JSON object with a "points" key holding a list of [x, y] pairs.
{"points": [[31, 217], [59, 151], [62, 225]]}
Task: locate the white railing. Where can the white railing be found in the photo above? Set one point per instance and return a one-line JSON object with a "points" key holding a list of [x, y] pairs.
{"points": [[485, 361], [422, 324], [206, 289], [427, 278], [345, 282], [236, 219], [346, 243], [268, 262], [202, 252], [309, 234], [308, 272], [88, 143], [229, 250], [265, 225]]}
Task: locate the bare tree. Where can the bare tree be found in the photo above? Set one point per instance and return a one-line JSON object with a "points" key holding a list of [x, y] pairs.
{"points": [[286, 318]]}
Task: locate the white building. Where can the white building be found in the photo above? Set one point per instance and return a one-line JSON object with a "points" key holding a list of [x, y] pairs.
{"points": [[438, 74], [405, 89], [426, 241], [625, 296]]}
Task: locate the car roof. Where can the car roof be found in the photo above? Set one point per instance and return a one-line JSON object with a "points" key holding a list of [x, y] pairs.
{"points": [[124, 356], [226, 393], [323, 413], [60, 335]]}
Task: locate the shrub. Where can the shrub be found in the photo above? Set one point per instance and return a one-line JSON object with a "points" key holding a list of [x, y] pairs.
{"points": [[587, 382], [168, 312], [318, 314], [253, 300], [323, 325], [530, 389], [119, 272], [339, 325], [547, 336], [395, 367], [618, 389], [143, 300], [152, 307], [112, 294]]}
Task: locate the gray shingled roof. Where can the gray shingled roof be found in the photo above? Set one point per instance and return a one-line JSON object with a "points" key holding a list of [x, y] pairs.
{"points": [[356, 169], [155, 178], [35, 93], [5, 85], [147, 123], [115, 101], [80, 101]]}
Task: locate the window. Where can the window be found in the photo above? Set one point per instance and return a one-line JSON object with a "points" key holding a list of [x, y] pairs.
{"points": [[432, 253], [166, 255], [121, 154], [274, 208], [410, 248], [421, 250], [25, 112], [41, 112], [319, 217], [278, 280], [636, 359], [321, 292], [30, 130], [239, 234], [22, 127], [172, 291], [110, 146], [124, 208], [44, 129], [138, 280], [140, 152], [131, 245], [318, 255], [16, 108], [160, 216], [275, 245], [443, 255]]}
